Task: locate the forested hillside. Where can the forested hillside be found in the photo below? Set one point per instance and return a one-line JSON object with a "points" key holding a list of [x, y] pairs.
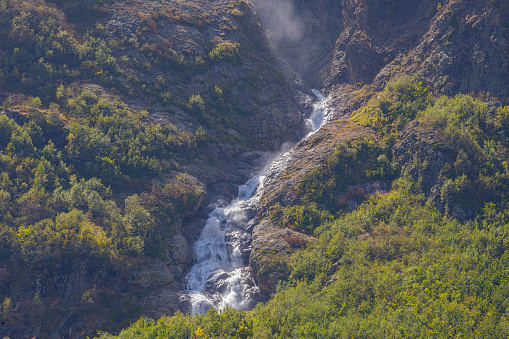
{"points": [[124, 123], [115, 116], [407, 262]]}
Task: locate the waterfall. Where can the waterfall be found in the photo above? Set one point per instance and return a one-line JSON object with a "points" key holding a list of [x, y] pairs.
{"points": [[318, 115], [219, 277]]}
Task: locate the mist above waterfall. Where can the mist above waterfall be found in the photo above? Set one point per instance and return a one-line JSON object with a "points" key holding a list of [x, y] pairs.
{"points": [[280, 19]]}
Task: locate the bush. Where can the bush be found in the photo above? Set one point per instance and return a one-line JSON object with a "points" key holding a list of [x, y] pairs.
{"points": [[225, 51], [300, 218]]}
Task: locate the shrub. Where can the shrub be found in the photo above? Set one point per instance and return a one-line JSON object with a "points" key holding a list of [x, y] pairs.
{"points": [[225, 51]]}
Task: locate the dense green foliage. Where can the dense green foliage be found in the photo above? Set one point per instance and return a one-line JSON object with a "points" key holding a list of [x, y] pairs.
{"points": [[401, 269], [228, 324], [354, 162], [41, 50], [304, 218], [409, 263], [52, 204], [471, 134], [402, 264], [54, 211]]}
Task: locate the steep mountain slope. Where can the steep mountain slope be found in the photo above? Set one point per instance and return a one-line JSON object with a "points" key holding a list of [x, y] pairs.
{"points": [[390, 221], [456, 45], [162, 101], [352, 49]]}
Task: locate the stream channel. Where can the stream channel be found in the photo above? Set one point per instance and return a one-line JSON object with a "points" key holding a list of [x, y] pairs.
{"points": [[220, 276]]}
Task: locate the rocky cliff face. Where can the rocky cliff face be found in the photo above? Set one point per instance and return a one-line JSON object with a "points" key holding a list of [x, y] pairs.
{"points": [[75, 297], [202, 66], [261, 108], [459, 46], [351, 49], [211, 67]]}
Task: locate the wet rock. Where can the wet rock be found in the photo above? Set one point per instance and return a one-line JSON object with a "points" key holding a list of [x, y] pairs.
{"points": [[252, 294], [240, 239], [217, 283], [191, 228], [307, 36]]}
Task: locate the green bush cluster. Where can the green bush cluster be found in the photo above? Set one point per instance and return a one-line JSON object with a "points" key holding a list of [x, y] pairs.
{"points": [[41, 50], [230, 323], [475, 134], [394, 268], [303, 218], [354, 162], [470, 133], [403, 270], [225, 51], [401, 101], [113, 141], [51, 203]]}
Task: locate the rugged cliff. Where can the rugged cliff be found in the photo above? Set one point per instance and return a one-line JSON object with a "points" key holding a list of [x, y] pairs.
{"points": [[352, 49], [450, 43], [391, 220], [174, 104], [196, 83]]}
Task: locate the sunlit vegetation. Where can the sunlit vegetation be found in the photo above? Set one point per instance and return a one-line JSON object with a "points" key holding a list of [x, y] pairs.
{"points": [[55, 211], [78, 173], [41, 50], [225, 51], [400, 265], [394, 268], [52, 203], [45, 47], [228, 324], [471, 134]]}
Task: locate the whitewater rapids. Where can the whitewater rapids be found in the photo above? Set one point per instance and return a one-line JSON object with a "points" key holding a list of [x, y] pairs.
{"points": [[220, 278]]}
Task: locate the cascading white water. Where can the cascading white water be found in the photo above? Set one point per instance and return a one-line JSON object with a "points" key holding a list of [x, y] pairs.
{"points": [[219, 277], [319, 109], [219, 262]]}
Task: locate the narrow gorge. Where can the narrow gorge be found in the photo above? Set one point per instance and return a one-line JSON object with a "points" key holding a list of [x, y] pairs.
{"points": [[254, 169], [220, 276]]}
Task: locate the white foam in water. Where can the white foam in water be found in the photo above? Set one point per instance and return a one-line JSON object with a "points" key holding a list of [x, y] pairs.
{"points": [[218, 277], [219, 261], [247, 190], [319, 109]]}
